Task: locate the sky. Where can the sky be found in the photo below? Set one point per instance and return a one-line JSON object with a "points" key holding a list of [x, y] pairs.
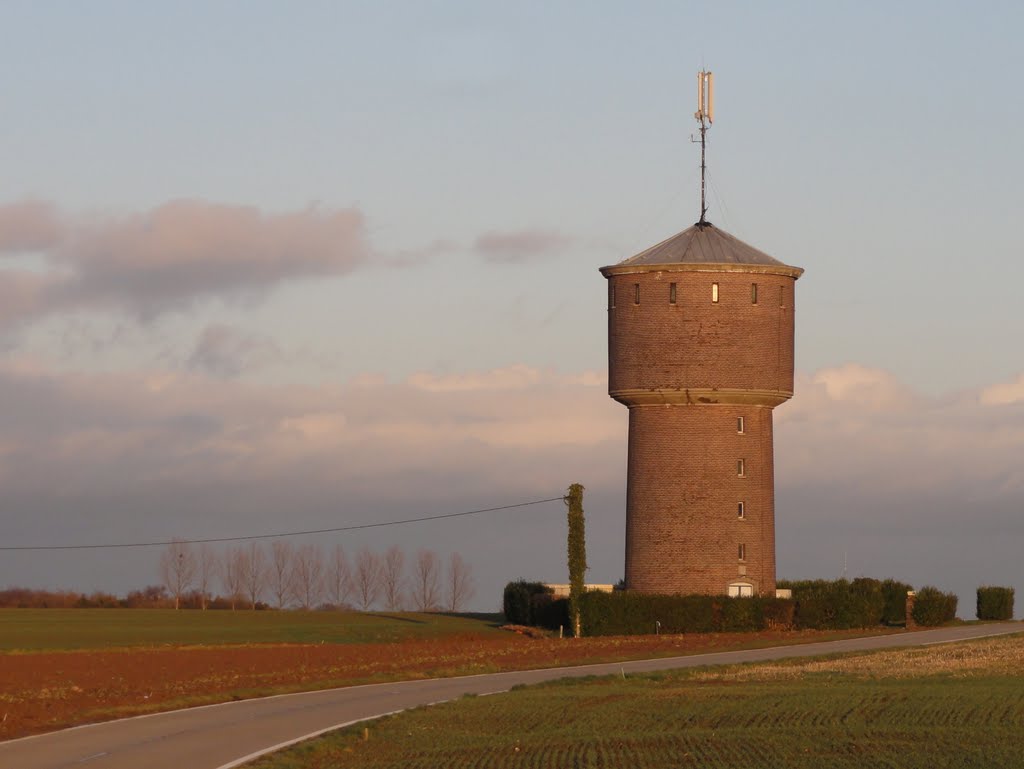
{"points": [[269, 266]]}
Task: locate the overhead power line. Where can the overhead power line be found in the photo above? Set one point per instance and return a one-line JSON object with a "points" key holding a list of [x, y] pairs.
{"points": [[278, 535]]}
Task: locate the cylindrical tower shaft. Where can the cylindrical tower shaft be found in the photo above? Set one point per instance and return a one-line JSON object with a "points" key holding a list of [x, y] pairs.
{"points": [[700, 348]]}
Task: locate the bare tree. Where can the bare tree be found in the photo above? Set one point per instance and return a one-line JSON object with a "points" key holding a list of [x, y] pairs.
{"points": [[178, 569], [460, 583], [426, 589], [393, 578], [232, 574], [255, 573], [339, 577], [367, 577], [206, 571], [308, 575], [281, 553]]}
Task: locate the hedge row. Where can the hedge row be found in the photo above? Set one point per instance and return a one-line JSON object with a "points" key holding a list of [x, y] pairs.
{"points": [[816, 604], [627, 613], [933, 607], [995, 602], [842, 604]]}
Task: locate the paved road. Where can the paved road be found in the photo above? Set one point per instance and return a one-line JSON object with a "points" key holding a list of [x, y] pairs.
{"points": [[223, 736]]}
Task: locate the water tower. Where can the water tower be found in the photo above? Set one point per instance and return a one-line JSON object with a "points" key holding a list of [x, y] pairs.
{"points": [[700, 349]]}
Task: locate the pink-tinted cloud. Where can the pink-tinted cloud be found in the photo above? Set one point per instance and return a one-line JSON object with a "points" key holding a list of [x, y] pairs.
{"points": [[223, 350], [188, 249], [27, 226], [521, 246], [916, 486], [171, 256]]}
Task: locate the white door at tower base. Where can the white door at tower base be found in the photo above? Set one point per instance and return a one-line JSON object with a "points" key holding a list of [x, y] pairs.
{"points": [[741, 589]]}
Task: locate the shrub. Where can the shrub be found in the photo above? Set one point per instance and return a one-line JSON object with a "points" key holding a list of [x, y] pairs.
{"points": [[995, 602], [933, 607], [628, 613], [895, 612], [547, 611], [837, 604], [778, 613], [517, 600]]}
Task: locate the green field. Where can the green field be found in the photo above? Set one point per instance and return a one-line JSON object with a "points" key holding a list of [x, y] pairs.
{"points": [[52, 629], [946, 706]]}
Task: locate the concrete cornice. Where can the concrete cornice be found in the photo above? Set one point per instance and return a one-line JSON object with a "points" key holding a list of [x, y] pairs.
{"points": [[751, 269], [701, 397]]}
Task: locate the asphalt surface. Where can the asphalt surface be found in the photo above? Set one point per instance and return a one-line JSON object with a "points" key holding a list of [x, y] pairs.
{"points": [[226, 735]]}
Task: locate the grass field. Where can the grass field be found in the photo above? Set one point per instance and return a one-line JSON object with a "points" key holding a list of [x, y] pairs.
{"points": [[60, 629], [947, 706]]}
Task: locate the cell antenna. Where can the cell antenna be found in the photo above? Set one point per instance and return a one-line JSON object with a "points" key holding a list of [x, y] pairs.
{"points": [[705, 115]]}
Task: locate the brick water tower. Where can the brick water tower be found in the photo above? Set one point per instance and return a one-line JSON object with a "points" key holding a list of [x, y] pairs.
{"points": [[700, 349]]}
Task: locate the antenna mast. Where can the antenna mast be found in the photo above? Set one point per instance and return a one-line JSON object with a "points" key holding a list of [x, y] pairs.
{"points": [[705, 115]]}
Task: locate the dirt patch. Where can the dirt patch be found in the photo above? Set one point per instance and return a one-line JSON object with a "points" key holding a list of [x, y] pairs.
{"points": [[50, 690]]}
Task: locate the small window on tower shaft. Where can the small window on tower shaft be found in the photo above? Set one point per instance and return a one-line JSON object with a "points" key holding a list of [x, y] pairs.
{"points": [[671, 293], [611, 295], [636, 293], [741, 510], [714, 292], [740, 425], [753, 293], [741, 468], [742, 552]]}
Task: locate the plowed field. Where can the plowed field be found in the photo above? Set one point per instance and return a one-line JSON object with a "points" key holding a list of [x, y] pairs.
{"points": [[41, 691]]}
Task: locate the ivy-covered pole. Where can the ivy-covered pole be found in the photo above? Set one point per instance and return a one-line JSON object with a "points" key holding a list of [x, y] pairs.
{"points": [[577, 555]]}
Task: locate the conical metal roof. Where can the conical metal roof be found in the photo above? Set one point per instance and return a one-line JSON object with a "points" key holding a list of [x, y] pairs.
{"points": [[702, 244]]}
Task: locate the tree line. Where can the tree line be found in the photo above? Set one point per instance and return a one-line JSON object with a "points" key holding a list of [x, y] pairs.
{"points": [[281, 575]]}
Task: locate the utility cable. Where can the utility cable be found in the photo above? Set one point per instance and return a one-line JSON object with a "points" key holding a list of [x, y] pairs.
{"points": [[352, 527]]}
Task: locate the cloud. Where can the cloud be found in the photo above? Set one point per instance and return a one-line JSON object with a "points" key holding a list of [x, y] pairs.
{"points": [[519, 247], [171, 256], [227, 351], [924, 488], [1003, 394], [27, 226]]}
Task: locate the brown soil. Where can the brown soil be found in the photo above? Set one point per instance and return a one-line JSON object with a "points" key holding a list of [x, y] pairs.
{"points": [[50, 690]]}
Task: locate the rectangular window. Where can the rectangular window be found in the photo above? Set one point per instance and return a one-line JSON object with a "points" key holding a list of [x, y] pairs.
{"points": [[740, 425], [611, 295], [741, 468], [671, 293], [636, 293], [714, 293], [753, 293], [741, 510], [742, 552]]}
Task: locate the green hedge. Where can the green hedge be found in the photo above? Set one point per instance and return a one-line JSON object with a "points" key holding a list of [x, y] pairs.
{"points": [[628, 613], [933, 607], [518, 601], [816, 605], [995, 602], [895, 612], [838, 604]]}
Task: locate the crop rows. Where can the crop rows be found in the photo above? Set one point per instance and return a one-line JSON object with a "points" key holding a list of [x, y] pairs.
{"points": [[833, 719]]}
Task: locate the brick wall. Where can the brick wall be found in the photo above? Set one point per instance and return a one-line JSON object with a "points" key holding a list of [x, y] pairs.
{"points": [[696, 343], [682, 524], [683, 530]]}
